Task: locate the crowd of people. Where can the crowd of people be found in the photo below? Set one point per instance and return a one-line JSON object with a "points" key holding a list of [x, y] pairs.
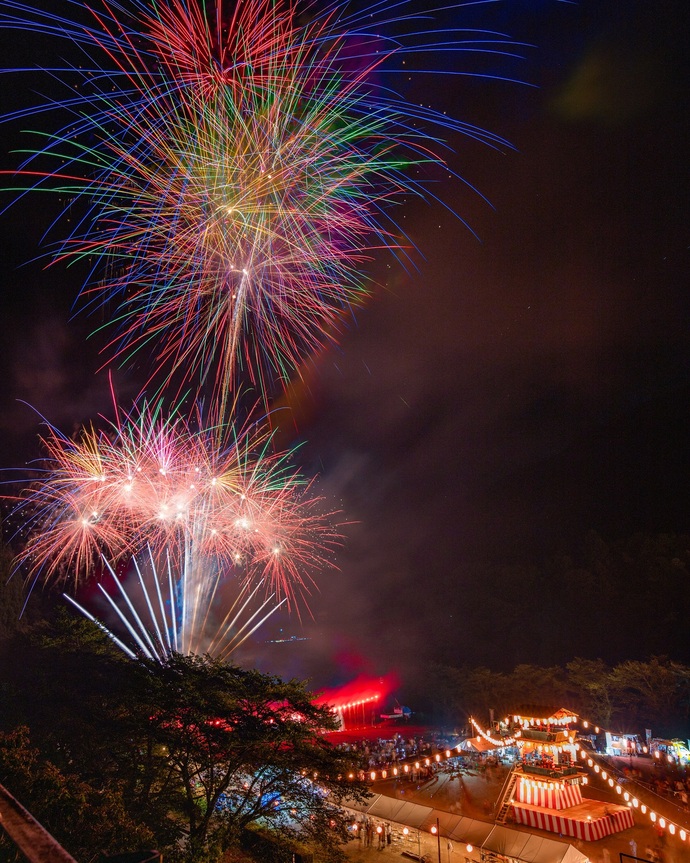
{"points": [[372, 833], [382, 753], [675, 787]]}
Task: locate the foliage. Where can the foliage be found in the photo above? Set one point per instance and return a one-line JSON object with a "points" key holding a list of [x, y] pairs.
{"points": [[240, 747], [81, 816], [629, 696], [192, 752]]}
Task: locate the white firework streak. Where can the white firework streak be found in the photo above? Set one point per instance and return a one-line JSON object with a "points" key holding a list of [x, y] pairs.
{"points": [[179, 609]]}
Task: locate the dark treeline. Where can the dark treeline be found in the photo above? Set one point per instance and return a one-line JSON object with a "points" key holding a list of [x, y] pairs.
{"points": [[623, 599], [629, 696]]}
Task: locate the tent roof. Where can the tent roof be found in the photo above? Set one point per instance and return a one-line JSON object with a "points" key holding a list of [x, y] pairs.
{"points": [[470, 830], [545, 713], [522, 846], [401, 811], [479, 745], [531, 848]]}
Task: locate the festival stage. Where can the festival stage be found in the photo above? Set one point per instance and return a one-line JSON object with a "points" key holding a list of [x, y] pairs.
{"points": [[589, 820], [557, 805]]}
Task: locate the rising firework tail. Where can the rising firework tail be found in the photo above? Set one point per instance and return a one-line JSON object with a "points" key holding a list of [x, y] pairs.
{"points": [[163, 614], [238, 164]]}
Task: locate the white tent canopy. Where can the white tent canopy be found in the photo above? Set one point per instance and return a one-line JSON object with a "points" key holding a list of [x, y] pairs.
{"points": [[529, 848], [480, 745], [513, 845]]}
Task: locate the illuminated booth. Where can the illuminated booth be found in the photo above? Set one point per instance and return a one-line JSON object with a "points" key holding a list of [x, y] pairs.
{"points": [[544, 791], [556, 804]]}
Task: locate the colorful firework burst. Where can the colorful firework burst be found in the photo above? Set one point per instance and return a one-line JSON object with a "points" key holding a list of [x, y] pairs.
{"points": [[148, 482], [238, 165]]}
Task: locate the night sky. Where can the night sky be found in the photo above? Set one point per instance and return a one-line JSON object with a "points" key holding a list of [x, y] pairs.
{"points": [[506, 393]]}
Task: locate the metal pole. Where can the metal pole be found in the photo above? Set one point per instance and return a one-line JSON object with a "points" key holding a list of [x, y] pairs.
{"points": [[438, 839]]}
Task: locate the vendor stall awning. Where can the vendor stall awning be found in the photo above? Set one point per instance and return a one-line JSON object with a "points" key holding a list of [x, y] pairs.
{"points": [[528, 848], [400, 811], [478, 744]]}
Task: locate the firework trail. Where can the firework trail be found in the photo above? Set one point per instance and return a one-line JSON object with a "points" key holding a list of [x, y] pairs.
{"points": [[168, 624], [163, 484], [238, 164]]}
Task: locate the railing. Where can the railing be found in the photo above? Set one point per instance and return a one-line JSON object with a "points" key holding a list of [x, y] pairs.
{"points": [[544, 736], [551, 772], [32, 839], [38, 846], [504, 798]]}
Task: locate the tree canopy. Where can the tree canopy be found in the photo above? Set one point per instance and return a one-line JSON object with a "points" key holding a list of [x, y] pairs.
{"points": [[192, 752], [629, 696]]}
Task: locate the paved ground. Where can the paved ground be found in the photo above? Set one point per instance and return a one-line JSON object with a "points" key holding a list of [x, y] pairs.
{"points": [[473, 795]]}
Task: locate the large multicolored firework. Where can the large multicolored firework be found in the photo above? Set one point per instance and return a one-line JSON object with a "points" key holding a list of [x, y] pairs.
{"points": [[146, 482], [239, 164], [230, 166]]}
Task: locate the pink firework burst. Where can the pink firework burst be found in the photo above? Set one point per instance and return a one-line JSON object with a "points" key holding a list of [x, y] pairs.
{"points": [[166, 485]]}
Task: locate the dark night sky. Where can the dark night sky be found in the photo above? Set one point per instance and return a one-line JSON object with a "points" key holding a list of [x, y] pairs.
{"points": [[512, 392]]}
